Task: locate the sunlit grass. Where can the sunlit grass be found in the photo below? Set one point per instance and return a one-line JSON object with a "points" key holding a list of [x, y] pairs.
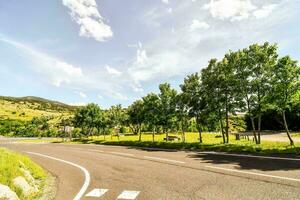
{"points": [[26, 111], [10, 163], [211, 142]]}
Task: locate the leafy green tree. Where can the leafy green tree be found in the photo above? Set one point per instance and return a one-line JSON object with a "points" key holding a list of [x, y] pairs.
{"points": [[217, 93], [80, 119], [193, 101], [118, 117], [262, 59], [285, 85], [182, 114], [151, 112], [86, 117], [167, 106], [136, 117]]}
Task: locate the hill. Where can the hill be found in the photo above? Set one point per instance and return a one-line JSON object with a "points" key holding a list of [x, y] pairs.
{"points": [[25, 108]]}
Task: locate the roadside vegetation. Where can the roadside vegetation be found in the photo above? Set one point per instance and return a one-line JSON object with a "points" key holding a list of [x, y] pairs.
{"points": [[245, 93], [13, 166]]}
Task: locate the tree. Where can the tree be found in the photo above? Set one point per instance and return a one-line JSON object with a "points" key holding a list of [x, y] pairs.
{"points": [[118, 117], [244, 73], [193, 100], [182, 114], [217, 91], [285, 85], [80, 117], [136, 117], [151, 112], [101, 122], [86, 118], [261, 58], [167, 106]]}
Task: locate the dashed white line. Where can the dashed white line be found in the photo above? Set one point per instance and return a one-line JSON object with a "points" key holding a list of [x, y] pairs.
{"points": [[164, 159], [96, 192], [253, 173], [128, 195], [250, 156], [94, 150], [85, 171], [121, 154]]}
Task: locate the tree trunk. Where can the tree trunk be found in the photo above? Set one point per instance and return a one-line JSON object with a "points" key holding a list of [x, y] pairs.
{"points": [[140, 135], [253, 129], [167, 134], [259, 116], [222, 126], [200, 135], [227, 120], [252, 120], [287, 128], [259, 129], [153, 133]]}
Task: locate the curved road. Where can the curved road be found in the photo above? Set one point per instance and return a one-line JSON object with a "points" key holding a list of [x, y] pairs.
{"points": [[108, 172]]}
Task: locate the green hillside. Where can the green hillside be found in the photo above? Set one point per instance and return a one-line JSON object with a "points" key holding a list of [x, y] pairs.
{"points": [[26, 108]]}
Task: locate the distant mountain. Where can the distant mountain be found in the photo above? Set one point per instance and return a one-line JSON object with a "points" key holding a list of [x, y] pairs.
{"points": [[48, 103]]}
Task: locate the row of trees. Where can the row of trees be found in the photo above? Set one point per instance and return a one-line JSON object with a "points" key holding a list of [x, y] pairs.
{"points": [[249, 81], [252, 83]]}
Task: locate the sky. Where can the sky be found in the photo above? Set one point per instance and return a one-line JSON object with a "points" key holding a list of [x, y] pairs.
{"points": [[116, 51]]}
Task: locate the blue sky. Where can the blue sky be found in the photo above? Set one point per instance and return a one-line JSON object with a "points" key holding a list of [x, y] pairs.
{"points": [[116, 51]]}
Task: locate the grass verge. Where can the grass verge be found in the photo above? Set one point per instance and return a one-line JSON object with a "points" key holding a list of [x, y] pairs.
{"points": [[211, 142], [10, 168]]}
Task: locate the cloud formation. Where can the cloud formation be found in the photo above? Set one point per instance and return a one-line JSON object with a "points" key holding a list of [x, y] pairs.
{"points": [[196, 24], [85, 13], [237, 10], [112, 71], [58, 71]]}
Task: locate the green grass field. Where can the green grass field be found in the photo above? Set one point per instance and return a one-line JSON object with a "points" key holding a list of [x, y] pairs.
{"points": [[211, 142], [10, 164]]}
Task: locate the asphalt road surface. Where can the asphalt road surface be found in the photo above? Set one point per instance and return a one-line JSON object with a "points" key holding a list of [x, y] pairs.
{"points": [[109, 172]]}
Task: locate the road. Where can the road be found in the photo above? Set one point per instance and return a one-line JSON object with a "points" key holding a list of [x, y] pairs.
{"points": [[111, 172]]}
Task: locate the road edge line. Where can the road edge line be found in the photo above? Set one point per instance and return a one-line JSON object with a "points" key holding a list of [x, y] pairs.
{"points": [[253, 173], [87, 180]]}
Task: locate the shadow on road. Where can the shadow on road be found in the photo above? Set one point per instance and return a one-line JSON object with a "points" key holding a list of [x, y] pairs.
{"points": [[247, 163]]}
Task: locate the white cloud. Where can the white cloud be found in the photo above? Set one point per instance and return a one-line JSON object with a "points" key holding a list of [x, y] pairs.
{"points": [[81, 94], [57, 70], [54, 71], [170, 10], [141, 56], [85, 13], [165, 1], [265, 11], [99, 96], [112, 71], [230, 9], [196, 24], [236, 10]]}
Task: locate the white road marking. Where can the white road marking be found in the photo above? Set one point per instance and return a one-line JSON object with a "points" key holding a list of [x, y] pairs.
{"points": [[250, 156], [85, 171], [254, 173], [122, 154], [96, 192], [129, 195], [94, 150], [164, 159]]}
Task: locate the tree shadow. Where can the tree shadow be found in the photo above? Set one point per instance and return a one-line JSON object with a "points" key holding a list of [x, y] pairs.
{"points": [[247, 162]]}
